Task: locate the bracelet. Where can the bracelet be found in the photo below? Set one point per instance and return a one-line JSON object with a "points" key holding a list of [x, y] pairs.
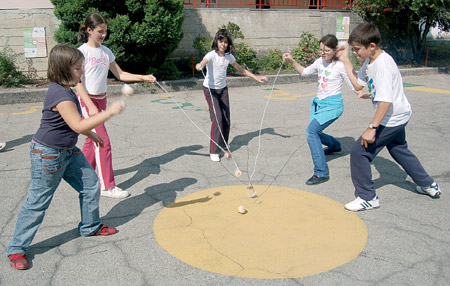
{"points": [[142, 78]]}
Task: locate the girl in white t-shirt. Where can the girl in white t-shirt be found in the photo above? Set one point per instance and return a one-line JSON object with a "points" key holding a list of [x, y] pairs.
{"points": [[326, 107], [98, 60], [215, 88]]}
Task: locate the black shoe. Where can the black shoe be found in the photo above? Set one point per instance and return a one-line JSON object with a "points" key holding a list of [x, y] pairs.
{"points": [[314, 180], [327, 151]]}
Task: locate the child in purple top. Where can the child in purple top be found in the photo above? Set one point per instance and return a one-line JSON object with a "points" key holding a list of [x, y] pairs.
{"points": [[54, 156]]}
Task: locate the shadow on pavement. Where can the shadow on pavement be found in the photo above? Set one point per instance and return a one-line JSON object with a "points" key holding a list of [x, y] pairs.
{"points": [[128, 209], [346, 145], [17, 142], [152, 165], [243, 140], [391, 174]]}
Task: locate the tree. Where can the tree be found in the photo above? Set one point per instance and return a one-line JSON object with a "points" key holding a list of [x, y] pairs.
{"points": [[141, 33], [404, 24]]}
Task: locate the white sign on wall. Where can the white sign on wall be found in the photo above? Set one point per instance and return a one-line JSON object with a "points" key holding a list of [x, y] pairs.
{"points": [[342, 28], [34, 42]]}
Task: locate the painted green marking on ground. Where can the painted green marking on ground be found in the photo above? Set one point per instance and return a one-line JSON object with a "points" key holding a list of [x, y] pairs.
{"points": [[405, 84]]}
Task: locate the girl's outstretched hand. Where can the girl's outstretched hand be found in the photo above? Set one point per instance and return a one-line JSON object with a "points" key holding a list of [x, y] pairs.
{"points": [[149, 78], [288, 57], [363, 95], [116, 108], [262, 79]]}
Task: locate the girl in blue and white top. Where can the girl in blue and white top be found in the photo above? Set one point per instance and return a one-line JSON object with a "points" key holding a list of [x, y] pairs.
{"points": [[215, 87], [326, 107]]}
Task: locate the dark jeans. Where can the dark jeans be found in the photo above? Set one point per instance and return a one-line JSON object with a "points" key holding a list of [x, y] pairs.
{"points": [[218, 101], [394, 138]]}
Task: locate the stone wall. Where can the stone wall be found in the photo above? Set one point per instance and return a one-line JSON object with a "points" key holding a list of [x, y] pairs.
{"points": [[11, 34], [263, 29]]}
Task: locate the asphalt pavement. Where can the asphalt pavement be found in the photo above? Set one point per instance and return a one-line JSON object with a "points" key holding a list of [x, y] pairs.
{"points": [[160, 155]]}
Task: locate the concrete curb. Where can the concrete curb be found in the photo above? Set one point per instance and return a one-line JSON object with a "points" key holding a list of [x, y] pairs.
{"points": [[38, 94]]}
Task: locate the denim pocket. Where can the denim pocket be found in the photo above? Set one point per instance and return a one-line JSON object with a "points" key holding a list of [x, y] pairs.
{"points": [[76, 151], [45, 158], [51, 163]]}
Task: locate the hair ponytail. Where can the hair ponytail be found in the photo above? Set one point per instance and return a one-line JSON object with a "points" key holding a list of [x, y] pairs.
{"points": [[83, 35], [92, 21]]}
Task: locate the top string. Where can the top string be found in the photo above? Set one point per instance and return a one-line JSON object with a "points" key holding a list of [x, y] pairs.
{"points": [[250, 186]]}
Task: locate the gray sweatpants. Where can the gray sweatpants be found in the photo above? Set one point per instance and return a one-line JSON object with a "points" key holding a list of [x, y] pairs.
{"points": [[394, 138]]}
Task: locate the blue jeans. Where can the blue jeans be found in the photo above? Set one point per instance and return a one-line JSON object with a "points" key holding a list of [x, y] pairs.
{"points": [[316, 138], [48, 167]]}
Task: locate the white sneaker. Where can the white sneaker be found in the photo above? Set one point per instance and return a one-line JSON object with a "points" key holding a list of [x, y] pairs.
{"points": [[2, 145], [115, 193], [432, 191], [214, 157], [360, 205]]}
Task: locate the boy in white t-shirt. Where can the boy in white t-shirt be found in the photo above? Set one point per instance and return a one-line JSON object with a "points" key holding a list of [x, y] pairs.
{"points": [[387, 128]]}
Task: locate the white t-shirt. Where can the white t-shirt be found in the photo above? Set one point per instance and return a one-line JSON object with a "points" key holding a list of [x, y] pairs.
{"points": [[385, 84], [330, 77], [96, 66], [216, 69]]}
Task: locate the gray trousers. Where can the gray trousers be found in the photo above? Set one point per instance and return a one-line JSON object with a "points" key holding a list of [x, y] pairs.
{"points": [[394, 138]]}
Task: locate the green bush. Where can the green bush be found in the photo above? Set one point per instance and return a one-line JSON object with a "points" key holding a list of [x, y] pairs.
{"points": [[308, 49], [271, 61], [202, 45], [234, 30], [141, 33], [246, 57], [10, 75], [167, 71]]}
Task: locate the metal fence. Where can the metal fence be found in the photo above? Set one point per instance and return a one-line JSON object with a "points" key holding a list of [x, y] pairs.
{"points": [[270, 4]]}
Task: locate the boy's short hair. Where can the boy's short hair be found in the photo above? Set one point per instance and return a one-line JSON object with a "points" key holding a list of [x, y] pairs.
{"points": [[60, 59], [365, 34]]}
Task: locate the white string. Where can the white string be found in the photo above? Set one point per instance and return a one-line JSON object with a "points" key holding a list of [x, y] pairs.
{"points": [[250, 186], [179, 106], [217, 119]]}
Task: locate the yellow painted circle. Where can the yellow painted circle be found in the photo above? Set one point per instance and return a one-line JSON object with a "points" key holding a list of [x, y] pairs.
{"points": [[285, 233]]}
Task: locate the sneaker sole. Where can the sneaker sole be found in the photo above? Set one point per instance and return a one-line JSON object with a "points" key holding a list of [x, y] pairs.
{"points": [[114, 197], [363, 209], [422, 192]]}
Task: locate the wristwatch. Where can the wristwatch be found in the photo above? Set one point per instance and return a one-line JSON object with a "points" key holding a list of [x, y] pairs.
{"points": [[372, 127]]}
